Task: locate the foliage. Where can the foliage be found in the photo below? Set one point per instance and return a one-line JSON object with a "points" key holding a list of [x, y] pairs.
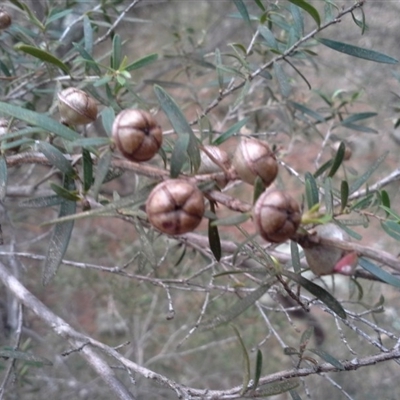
{"points": [[166, 304]]}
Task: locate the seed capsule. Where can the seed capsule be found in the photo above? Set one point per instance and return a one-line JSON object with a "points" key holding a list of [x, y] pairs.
{"points": [[254, 158], [324, 260], [137, 134], [5, 19], [175, 207], [76, 107], [207, 165], [276, 216]]}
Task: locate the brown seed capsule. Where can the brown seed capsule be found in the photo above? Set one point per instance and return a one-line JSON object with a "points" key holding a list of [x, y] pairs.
{"points": [[175, 207], [276, 216], [254, 158], [207, 165], [5, 19], [137, 134], [323, 259], [76, 107]]}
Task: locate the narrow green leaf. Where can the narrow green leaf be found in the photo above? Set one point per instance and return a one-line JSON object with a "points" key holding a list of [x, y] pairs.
{"points": [[268, 36], [147, 246], [213, 236], [338, 159], [385, 199], [273, 389], [243, 93], [391, 212], [231, 220], [179, 155], [358, 52], [220, 73], [230, 132], [364, 203], [87, 164], [38, 119], [294, 251], [24, 356], [142, 62], [242, 10], [56, 16], [101, 172], [358, 117], [392, 228], [260, 5], [246, 361], [43, 56], [108, 210], [318, 292], [305, 110], [90, 61], [328, 358], [312, 194], [344, 194], [258, 369], [349, 231], [91, 142], [308, 8], [116, 52], [16, 143], [107, 119], [3, 178], [60, 238], [328, 195], [41, 202], [298, 21], [283, 80], [55, 157], [324, 167], [64, 193], [88, 34], [294, 395], [238, 307], [363, 178], [305, 337], [180, 124], [360, 128]]}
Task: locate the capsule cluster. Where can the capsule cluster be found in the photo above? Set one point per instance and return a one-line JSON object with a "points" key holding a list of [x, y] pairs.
{"points": [[176, 206]]}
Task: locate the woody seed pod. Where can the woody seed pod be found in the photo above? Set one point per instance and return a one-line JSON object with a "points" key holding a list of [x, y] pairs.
{"points": [[175, 207], [76, 107], [137, 134], [5, 19], [323, 259], [207, 165], [276, 216], [254, 158]]}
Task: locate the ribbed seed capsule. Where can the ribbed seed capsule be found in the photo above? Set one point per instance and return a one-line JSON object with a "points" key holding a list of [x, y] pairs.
{"points": [[207, 165], [254, 158], [276, 216], [324, 260], [175, 207], [5, 19], [76, 107], [137, 134]]}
